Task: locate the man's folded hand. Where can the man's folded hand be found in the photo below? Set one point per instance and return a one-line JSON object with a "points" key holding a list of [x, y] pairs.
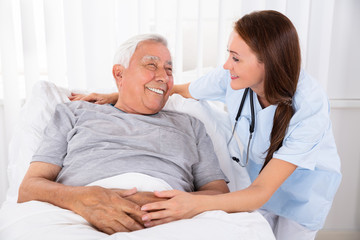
{"points": [[106, 210]]}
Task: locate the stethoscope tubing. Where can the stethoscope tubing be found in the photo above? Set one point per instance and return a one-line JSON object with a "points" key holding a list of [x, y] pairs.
{"points": [[252, 124]]}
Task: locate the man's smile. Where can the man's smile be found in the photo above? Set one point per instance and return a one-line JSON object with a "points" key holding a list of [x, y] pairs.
{"points": [[156, 90]]}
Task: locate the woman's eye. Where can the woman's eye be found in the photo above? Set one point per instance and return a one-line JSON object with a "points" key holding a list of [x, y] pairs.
{"points": [[235, 59]]}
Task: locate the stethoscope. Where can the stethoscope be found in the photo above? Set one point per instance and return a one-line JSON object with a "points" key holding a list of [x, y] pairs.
{"points": [[252, 125]]}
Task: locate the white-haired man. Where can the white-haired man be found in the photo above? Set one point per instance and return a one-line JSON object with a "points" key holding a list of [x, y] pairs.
{"points": [[85, 142]]}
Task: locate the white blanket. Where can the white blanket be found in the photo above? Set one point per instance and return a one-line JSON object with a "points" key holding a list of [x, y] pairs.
{"points": [[38, 220]]}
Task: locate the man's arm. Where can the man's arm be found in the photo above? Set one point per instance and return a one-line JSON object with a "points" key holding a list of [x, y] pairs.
{"points": [[103, 208], [212, 188]]}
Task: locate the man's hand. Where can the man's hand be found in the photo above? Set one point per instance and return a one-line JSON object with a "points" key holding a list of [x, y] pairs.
{"points": [[141, 198], [107, 210]]}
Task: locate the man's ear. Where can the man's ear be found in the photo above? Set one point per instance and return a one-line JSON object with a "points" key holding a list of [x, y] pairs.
{"points": [[117, 73]]}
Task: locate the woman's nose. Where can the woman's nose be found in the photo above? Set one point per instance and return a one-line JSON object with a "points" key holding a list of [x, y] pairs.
{"points": [[227, 64]]}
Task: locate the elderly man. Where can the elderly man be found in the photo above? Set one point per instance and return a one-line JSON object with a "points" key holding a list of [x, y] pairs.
{"points": [[85, 142]]}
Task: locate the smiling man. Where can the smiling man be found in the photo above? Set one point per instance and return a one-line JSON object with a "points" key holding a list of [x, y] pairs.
{"points": [[86, 143], [144, 86]]}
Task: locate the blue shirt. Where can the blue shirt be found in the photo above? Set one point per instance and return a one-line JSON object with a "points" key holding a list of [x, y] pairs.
{"points": [[306, 196]]}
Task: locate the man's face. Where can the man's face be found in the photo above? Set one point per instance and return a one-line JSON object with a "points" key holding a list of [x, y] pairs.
{"points": [[144, 87]]}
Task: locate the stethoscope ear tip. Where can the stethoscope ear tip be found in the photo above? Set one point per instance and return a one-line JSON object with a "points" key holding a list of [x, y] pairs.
{"points": [[236, 159]]}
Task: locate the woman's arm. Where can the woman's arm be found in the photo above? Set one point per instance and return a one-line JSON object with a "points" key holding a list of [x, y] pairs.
{"points": [[171, 210], [185, 205], [211, 188], [182, 89], [257, 194], [100, 98], [97, 98]]}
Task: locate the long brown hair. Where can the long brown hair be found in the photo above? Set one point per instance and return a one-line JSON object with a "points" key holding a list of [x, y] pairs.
{"points": [[274, 40]]}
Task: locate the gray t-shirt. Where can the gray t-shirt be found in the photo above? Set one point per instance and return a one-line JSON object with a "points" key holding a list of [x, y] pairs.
{"points": [[92, 142]]}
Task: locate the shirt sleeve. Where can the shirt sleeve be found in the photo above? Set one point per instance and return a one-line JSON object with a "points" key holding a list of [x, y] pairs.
{"points": [[211, 86], [306, 132], [53, 147], [207, 169]]}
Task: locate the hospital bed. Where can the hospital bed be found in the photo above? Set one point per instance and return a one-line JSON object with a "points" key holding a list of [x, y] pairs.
{"points": [[39, 220]]}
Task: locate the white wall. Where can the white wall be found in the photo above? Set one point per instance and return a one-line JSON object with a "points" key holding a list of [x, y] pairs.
{"points": [[345, 212], [344, 78], [344, 90], [3, 160]]}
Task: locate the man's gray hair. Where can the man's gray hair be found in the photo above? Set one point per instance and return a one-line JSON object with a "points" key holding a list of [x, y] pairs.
{"points": [[127, 49]]}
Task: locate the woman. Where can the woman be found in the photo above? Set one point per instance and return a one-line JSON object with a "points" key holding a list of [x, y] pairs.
{"points": [[289, 152]]}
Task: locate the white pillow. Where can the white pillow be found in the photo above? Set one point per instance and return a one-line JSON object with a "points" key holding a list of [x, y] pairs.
{"points": [[40, 106], [28, 132], [218, 127]]}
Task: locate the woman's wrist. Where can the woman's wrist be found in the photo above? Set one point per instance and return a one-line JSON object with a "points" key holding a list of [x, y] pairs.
{"points": [[174, 90], [181, 89], [203, 203], [114, 97]]}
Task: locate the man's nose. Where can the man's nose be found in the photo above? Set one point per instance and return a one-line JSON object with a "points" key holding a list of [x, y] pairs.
{"points": [[161, 75]]}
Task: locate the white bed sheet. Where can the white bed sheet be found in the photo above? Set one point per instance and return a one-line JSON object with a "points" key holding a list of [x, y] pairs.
{"points": [[37, 220]]}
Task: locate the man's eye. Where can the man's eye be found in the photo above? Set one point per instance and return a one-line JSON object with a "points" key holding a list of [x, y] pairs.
{"points": [[152, 65], [169, 71], [235, 59]]}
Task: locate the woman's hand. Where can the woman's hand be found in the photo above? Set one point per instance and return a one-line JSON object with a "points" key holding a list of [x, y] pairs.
{"points": [[96, 98], [181, 205], [142, 198]]}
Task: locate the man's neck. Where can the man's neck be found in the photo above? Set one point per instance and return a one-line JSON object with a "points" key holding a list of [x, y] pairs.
{"points": [[126, 109], [122, 107]]}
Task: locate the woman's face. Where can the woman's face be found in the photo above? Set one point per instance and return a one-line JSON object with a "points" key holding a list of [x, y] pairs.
{"points": [[245, 68]]}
